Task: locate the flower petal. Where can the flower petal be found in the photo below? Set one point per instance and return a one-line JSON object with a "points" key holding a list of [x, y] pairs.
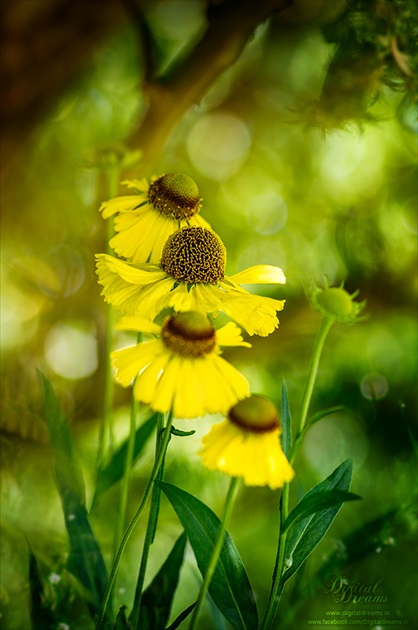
{"points": [[230, 335], [259, 274], [112, 206], [255, 313], [140, 324]]}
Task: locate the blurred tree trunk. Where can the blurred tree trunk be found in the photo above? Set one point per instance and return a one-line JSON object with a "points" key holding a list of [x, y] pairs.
{"points": [[44, 45]]}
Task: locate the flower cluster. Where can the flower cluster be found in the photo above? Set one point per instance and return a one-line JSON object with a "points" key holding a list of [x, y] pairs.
{"points": [[174, 264]]}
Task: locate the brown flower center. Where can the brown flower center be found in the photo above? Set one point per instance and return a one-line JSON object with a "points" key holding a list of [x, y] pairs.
{"points": [[255, 414], [194, 254], [176, 195], [189, 334]]}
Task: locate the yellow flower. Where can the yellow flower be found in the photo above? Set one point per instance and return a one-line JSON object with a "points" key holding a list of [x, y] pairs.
{"points": [[181, 369], [247, 445], [144, 221], [191, 277]]}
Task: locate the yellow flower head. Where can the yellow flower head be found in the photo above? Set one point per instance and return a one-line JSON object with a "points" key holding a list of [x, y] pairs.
{"points": [[144, 221], [191, 277], [182, 369], [247, 445]]}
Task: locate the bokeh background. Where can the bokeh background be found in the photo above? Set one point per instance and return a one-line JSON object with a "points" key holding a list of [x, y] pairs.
{"points": [[304, 150]]}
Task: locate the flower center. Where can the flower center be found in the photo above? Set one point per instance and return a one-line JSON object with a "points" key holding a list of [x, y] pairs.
{"points": [[176, 195], [255, 414], [189, 334], [194, 254], [336, 301]]}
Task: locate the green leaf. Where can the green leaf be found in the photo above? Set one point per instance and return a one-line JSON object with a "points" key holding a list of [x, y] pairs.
{"points": [[313, 503], [42, 617], [113, 470], [121, 622], [158, 597], [309, 531], [322, 414], [182, 616], [179, 433], [230, 587], [286, 421], [85, 560]]}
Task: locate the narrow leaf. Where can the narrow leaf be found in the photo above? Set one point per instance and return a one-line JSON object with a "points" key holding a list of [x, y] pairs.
{"points": [[42, 617], [309, 531], [230, 587], [179, 433], [313, 503], [85, 560], [158, 597], [322, 414], [182, 616], [286, 421], [113, 470], [121, 622]]}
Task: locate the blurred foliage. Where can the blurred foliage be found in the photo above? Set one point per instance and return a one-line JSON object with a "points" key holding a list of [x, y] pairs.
{"points": [[278, 190]]}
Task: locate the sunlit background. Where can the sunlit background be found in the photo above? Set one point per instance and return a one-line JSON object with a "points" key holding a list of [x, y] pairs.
{"points": [[281, 185]]}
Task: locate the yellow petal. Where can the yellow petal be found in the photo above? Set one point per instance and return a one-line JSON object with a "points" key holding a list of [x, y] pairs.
{"points": [[127, 202], [255, 313], [140, 184], [130, 361], [140, 324], [230, 335], [260, 274], [130, 273]]}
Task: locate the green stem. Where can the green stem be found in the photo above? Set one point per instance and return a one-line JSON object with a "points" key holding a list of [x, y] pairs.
{"points": [[157, 464], [229, 503], [313, 369], [149, 536], [124, 492], [278, 583], [106, 431]]}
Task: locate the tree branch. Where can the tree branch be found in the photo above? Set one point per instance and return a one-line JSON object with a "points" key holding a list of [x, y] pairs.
{"points": [[230, 26]]}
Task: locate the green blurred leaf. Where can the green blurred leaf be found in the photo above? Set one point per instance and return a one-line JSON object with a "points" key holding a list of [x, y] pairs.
{"points": [[286, 421], [42, 617], [309, 531], [158, 597], [121, 622], [113, 470], [182, 616], [314, 503], [85, 559], [230, 587]]}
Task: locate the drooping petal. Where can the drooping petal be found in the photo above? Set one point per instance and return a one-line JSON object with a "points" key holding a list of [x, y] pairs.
{"points": [[259, 274], [129, 362], [139, 324], [118, 204], [230, 335], [255, 313], [139, 184], [256, 457]]}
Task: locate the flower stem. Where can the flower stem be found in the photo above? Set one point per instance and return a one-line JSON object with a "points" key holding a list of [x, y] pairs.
{"points": [[229, 503], [120, 523], [157, 464], [150, 533], [313, 369], [278, 582], [106, 431]]}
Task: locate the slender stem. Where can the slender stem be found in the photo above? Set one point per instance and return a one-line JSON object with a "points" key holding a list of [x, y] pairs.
{"points": [[278, 582], [106, 430], [124, 492], [149, 536], [157, 464], [313, 369], [229, 503]]}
